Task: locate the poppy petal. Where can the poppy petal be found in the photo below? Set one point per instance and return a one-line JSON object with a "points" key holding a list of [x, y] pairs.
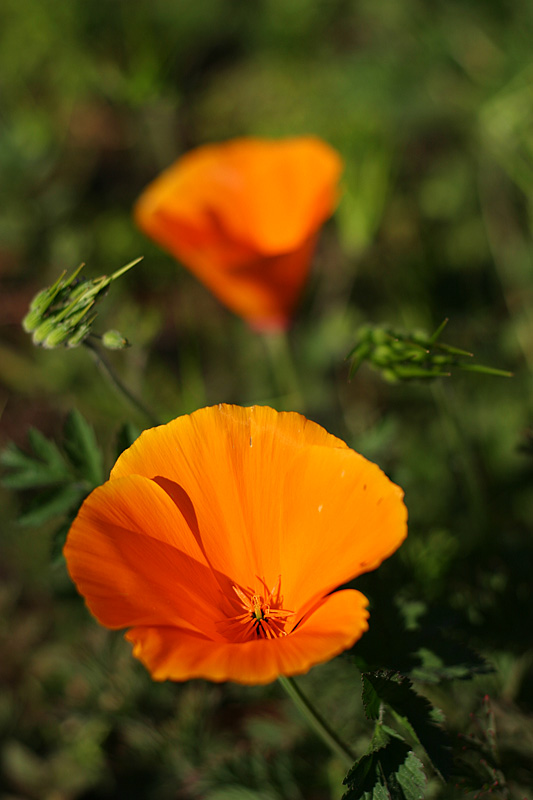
{"points": [[342, 517], [244, 216], [218, 540], [231, 463], [339, 620], [267, 195], [284, 496], [263, 290], [290, 186], [133, 556], [177, 654]]}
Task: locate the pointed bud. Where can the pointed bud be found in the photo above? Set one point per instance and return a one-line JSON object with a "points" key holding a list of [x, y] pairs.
{"points": [[41, 303], [411, 356], [32, 320], [62, 313], [44, 330], [80, 334], [57, 336], [45, 297], [113, 340]]}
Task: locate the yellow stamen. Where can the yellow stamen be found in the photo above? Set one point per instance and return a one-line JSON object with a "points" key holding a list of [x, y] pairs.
{"points": [[263, 616]]}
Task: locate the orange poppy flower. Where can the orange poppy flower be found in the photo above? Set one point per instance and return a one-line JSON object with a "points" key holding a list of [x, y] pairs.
{"points": [[244, 217], [220, 538]]}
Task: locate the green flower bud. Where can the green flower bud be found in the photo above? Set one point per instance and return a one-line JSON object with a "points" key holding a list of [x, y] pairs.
{"points": [[62, 314], [113, 340], [411, 356], [43, 330], [380, 336], [41, 304], [43, 299], [80, 334], [57, 336], [382, 355], [32, 320]]}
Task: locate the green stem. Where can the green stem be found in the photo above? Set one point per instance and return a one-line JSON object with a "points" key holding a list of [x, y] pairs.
{"points": [[109, 370], [284, 370], [317, 722]]}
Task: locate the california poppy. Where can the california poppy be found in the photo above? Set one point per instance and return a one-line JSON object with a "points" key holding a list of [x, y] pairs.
{"points": [[220, 538], [244, 217]]}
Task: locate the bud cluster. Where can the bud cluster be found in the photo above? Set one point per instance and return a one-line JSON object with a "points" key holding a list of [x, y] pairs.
{"points": [[62, 315], [410, 356]]}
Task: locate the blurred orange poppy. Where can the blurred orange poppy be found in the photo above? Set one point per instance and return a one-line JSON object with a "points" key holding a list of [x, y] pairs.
{"points": [[244, 217], [220, 538]]}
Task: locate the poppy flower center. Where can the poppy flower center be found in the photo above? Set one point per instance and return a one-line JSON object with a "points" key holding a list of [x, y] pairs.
{"points": [[262, 617]]}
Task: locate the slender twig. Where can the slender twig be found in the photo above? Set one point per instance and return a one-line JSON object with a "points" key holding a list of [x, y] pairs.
{"points": [[109, 371], [317, 721]]}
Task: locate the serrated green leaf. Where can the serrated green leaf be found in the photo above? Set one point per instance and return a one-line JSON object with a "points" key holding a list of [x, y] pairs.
{"points": [[371, 699], [390, 772], [82, 449], [51, 504], [381, 793], [411, 778], [381, 737], [413, 711]]}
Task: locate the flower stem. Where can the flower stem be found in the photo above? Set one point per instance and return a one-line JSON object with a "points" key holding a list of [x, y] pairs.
{"points": [[284, 369], [109, 371], [458, 443], [317, 722]]}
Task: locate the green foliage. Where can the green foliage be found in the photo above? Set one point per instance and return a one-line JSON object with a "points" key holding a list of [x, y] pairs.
{"points": [[389, 771], [444, 659], [47, 465], [82, 449], [53, 503], [64, 476], [414, 712], [409, 640]]}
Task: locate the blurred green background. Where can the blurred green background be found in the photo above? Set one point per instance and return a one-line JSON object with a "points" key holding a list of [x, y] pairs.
{"points": [[431, 106]]}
